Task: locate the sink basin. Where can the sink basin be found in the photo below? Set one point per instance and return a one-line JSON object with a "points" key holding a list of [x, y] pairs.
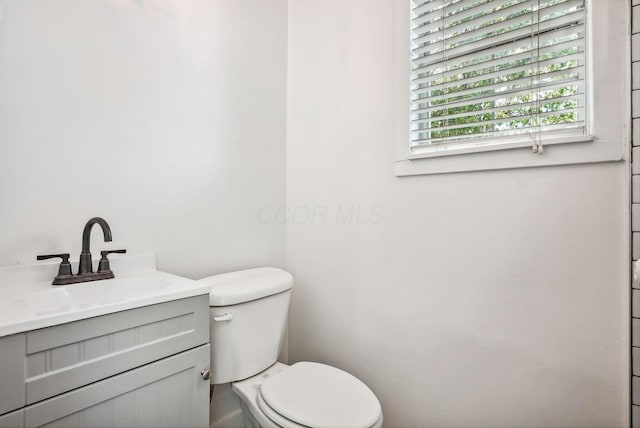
{"points": [[80, 296], [31, 305]]}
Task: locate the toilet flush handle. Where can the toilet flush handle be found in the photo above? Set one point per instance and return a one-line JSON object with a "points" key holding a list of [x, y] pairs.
{"points": [[224, 317]]}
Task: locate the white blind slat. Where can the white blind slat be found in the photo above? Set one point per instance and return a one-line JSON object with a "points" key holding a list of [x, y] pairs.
{"points": [[518, 111], [511, 52], [577, 127], [430, 22], [477, 14], [521, 122], [478, 39], [516, 93], [502, 78]]}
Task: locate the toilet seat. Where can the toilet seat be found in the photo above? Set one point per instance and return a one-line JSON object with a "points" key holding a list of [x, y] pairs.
{"points": [[279, 420], [317, 395]]}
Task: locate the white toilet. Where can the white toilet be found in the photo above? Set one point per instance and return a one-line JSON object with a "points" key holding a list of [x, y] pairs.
{"points": [[248, 318]]}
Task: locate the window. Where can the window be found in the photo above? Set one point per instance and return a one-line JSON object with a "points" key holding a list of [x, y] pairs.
{"points": [[491, 75], [494, 68]]}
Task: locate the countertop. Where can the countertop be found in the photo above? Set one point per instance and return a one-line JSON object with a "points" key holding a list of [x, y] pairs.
{"points": [[28, 301]]}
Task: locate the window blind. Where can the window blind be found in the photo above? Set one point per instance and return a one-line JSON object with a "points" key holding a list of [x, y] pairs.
{"points": [[496, 68]]}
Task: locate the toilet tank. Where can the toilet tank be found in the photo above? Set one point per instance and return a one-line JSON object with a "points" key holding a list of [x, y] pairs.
{"points": [[248, 312]]}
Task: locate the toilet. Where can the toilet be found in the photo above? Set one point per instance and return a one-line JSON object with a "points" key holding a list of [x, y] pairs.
{"points": [[248, 319]]}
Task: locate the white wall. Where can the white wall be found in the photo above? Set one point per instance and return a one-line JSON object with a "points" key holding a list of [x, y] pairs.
{"points": [[166, 117], [487, 299]]}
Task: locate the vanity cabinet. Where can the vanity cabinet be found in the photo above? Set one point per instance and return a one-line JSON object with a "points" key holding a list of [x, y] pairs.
{"points": [[136, 368]]}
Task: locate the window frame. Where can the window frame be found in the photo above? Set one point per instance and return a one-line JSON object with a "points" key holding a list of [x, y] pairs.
{"points": [[609, 115]]}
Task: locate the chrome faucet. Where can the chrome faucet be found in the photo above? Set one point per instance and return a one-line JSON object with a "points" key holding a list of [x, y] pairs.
{"points": [[85, 265]]}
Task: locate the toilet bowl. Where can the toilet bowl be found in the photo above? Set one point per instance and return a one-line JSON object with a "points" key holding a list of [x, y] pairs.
{"points": [[248, 318], [308, 395]]}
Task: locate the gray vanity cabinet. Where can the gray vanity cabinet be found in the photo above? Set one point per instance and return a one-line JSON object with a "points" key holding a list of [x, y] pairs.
{"points": [[136, 368], [169, 393]]}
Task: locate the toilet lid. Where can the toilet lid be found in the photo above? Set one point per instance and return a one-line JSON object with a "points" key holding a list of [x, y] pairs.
{"points": [[317, 395]]}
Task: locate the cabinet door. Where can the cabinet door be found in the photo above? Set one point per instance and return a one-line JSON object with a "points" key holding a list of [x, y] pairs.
{"points": [[168, 393]]}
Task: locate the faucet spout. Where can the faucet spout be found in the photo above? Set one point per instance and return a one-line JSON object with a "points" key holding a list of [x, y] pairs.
{"points": [[85, 265]]}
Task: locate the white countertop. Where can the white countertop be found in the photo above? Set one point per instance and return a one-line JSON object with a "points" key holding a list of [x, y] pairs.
{"points": [[28, 301]]}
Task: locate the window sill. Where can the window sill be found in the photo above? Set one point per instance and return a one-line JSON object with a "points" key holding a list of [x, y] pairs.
{"points": [[579, 152], [489, 146]]}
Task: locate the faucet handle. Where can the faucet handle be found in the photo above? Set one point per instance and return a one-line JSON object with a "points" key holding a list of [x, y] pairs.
{"points": [[65, 266], [104, 266], [105, 253]]}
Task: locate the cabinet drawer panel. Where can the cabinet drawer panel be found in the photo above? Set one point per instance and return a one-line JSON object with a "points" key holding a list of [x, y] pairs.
{"points": [[68, 356], [167, 393]]}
